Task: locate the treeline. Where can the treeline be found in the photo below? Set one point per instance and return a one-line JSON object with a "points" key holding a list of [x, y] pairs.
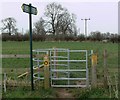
{"points": [[94, 36]]}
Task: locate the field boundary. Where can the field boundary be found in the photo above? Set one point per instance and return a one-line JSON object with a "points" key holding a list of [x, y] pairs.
{"points": [[15, 56]]}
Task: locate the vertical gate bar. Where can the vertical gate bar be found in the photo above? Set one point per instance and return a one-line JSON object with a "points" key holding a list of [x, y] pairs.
{"points": [[38, 64], [87, 78], [47, 52], [54, 61], [91, 52], [50, 68], [68, 66]]}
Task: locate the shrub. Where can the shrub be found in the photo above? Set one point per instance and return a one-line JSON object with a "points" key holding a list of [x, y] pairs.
{"points": [[38, 37]]}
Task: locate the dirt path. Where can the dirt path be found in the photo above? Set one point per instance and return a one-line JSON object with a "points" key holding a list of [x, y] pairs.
{"points": [[64, 93]]}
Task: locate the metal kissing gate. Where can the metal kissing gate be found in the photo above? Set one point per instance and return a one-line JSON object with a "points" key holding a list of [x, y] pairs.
{"points": [[68, 68]]}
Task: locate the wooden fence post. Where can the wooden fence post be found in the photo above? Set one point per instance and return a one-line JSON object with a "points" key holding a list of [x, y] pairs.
{"points": [[105, 68], [46, 72], [94, 64], [5, 79]]}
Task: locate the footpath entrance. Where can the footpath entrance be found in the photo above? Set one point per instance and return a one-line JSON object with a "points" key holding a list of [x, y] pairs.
{"points": [[67, 68]]}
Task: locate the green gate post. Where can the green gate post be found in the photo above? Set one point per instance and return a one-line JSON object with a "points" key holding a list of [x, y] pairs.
{"points": [[31, 62]]}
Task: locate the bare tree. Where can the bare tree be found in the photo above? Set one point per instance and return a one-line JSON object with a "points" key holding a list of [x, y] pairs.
{"points": [[73, 26], [39, 32], [39, 27], [52, 11], [9, 24], [66, 22], [58, 19]]}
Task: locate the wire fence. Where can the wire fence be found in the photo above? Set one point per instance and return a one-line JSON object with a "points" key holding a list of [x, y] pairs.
{"points": [[11, 81]]}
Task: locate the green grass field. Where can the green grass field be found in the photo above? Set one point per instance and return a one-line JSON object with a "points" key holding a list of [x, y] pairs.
{"points": [[12, 47], [23, 47]]}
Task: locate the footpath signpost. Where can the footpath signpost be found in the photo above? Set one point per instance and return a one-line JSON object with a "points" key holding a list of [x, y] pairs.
{"points": [[30, 10]]}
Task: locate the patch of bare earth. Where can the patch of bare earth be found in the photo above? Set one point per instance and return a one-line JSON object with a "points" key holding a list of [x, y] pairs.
{"points": [[63, 93]]}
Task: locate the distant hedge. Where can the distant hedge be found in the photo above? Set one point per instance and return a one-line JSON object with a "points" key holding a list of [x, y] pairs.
{"points": [[37, 37], [22, 37]]}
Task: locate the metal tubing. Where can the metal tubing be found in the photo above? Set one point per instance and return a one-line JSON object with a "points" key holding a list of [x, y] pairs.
{"points": [[69, 70], [66, 59], [69, 86], [58, 57], [62, 60], [77, 51], [34, 75], [69, 78], [60, 64], [87, 72], [50, 68], [68, 66]]}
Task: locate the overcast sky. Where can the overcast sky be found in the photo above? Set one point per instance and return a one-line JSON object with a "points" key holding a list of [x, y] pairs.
{"points": [[103, 14]]}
